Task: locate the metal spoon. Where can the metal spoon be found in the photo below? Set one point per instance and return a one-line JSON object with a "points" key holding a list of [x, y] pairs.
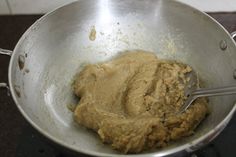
{"points": [[192, 93]]}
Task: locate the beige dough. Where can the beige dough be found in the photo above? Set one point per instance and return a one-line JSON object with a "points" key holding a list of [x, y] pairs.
{"points": [[130, 101]]}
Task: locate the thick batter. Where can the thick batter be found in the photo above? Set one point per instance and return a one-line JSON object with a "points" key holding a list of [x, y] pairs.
{"points": [[132, 100]]}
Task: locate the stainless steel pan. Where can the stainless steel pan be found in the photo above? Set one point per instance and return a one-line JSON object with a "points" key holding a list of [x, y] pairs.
{"points": [[54, 48]]}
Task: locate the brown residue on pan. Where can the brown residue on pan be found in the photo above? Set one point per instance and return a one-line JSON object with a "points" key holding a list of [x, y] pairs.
{"points": [[92, 34], [17, 91], [21, 61], [27, 70]]}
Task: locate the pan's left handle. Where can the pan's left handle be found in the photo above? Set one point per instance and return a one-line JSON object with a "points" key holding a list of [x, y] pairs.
{"points": [[7, 53]]}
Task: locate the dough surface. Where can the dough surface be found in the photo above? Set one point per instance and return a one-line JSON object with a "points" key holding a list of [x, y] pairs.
{"points": [[131, 101]]}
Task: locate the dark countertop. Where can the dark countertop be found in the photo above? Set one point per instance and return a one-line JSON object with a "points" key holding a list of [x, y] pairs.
{"points": [[13, 127], [11, 121]]}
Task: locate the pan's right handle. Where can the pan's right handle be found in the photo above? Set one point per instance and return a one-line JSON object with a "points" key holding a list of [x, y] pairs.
{"points": [[233, 34], [8, 53]]}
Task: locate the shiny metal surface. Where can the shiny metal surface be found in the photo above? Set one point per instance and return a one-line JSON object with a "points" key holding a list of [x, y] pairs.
{"points": [[5, 52], [4, 85], [55, 48], [207, 92], [233, 34]]}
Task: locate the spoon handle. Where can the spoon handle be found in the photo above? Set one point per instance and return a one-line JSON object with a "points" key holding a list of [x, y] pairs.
{"points": [[207, 92], [227, 90]]}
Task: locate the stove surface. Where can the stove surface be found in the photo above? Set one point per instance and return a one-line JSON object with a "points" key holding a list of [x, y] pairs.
{"points": [[31, 143], [19, 139]]}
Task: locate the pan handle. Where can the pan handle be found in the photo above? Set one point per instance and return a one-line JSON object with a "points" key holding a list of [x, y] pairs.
{"points": [[5, 52], [8, 53], [4, 85], [233, 34]]}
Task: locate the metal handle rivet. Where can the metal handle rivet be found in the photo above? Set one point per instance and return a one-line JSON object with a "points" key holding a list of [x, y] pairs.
{"points": [[223, 45]]}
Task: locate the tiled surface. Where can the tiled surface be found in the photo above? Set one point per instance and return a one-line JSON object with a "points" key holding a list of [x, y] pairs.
{"points": [[3, 7], [35, 6], [43, 6]]}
